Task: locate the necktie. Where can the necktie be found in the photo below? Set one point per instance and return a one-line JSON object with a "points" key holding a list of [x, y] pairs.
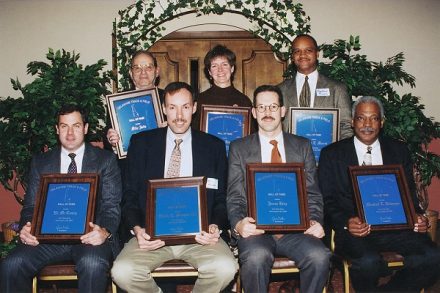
{"points": [[304, 97], [72, 166], [174, 166], [275, 156], [368, 161]]}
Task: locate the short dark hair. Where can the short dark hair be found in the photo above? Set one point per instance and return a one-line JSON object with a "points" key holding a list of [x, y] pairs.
{"points": [[143, 52], [70, 108], [176, 86], [306, 36], [269, 88], [219, 51]]}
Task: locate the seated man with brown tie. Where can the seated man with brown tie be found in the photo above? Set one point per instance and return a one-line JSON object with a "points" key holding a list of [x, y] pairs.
{"points": [[93, 256], [353, 237], [175, 151], [257, 249]]}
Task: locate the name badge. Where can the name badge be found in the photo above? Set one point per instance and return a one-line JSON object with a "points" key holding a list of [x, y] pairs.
{"points": [[212, 183], [323, 92]]}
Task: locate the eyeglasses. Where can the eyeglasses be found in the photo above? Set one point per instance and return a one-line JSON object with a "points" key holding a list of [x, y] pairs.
{"points": [[272, 107], [139, 67]]}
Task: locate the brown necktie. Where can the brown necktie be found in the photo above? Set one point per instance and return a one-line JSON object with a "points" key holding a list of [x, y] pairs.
{"points": [[275, 156], [174, 166], [72, 167], [368, 161], [304, 97]]}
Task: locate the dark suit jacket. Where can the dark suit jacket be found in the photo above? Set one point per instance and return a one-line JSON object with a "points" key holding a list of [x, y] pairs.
{"points": [[146, 160], [338, 98], [335, 182], [248, 150], [102, 162]]}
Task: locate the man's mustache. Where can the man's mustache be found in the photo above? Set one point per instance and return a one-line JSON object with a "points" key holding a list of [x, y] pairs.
{"points": [[179, 120], [367, 129], [268, 117]]}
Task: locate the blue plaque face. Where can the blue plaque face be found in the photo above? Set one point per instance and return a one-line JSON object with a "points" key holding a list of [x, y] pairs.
{"points": [[381, 199], [66, 208], [134, 115], [277, 199], [316, 127], [226, 126], [177, 211]]}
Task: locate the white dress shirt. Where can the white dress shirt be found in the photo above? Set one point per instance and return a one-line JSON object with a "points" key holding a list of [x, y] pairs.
{"points": [[361, 149], [313, 80], [186, 159], [66, 160], [266, 147]]}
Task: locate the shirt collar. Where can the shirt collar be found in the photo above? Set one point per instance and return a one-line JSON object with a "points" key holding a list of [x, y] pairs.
{"points": [[78, 152]]}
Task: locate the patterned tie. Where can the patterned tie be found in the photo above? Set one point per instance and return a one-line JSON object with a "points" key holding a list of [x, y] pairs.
{"points": [[174, 166], [275, 156], [304, 97], [72, 166], [368, 161]]}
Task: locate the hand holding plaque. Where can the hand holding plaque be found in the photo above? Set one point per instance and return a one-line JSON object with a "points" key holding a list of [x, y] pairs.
{"points": [[382, 197], [277, 196], [65, 205]]}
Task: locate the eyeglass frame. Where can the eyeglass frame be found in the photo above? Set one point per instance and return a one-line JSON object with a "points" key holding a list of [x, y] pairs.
{"points": [[262, 108], [138, 68]]}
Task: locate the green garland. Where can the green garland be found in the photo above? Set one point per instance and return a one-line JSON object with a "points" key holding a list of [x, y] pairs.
{"points": [[141, 24]]}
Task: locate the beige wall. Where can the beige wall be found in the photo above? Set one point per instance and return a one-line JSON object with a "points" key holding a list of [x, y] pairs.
{"points": [[386, 27]]}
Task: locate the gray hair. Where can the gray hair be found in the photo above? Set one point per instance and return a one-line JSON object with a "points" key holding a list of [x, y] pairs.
{"points": [[368, 99]]}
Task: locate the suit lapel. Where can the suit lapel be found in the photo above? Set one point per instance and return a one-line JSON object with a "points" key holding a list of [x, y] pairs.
{"points": [[294, 95], [54, 165], [158, 150], [254, 148], [89, 162]]}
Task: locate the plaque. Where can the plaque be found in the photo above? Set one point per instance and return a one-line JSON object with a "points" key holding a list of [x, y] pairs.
{"points": [[226, 122], [65, 204], [382, 197], [133, 112], [176, 209], [320, 125], [277, 196]]}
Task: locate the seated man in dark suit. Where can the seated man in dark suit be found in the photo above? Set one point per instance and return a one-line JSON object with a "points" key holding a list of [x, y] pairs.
{"points": [[94, 255], [175, 151], [354, 239], [257, 249]]}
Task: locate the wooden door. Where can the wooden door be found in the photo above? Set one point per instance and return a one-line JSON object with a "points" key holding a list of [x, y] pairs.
{"points": [[180, 57]]}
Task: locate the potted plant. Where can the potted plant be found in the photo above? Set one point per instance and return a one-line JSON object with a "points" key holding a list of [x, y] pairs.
{"points": [[405, 119], [27, 123]]}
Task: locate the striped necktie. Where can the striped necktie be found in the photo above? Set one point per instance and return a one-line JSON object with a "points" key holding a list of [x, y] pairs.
{"points": [[304, 97]]}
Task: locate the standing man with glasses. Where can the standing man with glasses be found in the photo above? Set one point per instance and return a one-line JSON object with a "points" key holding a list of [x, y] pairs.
{"points": [[311, 89], [93, 256], [144, 73], [257, 249]]}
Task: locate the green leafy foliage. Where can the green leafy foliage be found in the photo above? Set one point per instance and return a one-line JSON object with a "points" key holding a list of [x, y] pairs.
{"points": [[27, 123], [140, 25]]}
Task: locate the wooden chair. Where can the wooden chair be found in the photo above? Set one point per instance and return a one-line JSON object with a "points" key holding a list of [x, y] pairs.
{"points": [[281, 265], [393, 259], [59, 272], [175, 268]]}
